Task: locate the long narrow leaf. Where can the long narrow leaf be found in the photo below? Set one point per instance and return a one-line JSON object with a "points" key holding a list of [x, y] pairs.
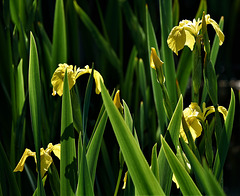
{"points": [[169, 68], [85, 185], [210, 185], [94, 147], [157, 93], [143, 178], [59, 48], [165, 173], [187, 186], [35, 104], [225, 139], [68, 161]]}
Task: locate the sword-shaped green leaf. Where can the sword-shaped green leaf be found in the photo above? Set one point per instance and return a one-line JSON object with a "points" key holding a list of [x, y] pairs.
{"points": [[141, 174], [68, 163], [186, 184], [35, 103]]}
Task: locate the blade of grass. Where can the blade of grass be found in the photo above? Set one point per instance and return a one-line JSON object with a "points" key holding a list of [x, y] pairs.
{"points": [[210, 185], [154, 162], [127, 85], [68, 164], [94, 146], [7, 174], [59, 47], [184, 69], [202, 7], [143, 178], [222, 150], [35, 104], [213, 56], [165, 173], [85, 185], [186, 184], [165, 8], [157, 93]]}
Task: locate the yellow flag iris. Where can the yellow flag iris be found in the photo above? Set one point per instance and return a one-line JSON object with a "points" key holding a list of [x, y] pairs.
{"points": [[45, 157], [194, 116], [73, 74], [186, 32]]}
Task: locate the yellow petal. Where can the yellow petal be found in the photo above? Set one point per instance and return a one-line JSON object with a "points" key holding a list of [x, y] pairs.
{"points": [[57, 150], [216, 28], [190, 40], [96, 75], [21, 163], [223, 110], [176, 39], [195, 127], [117, 101], [154, 59], [183, 134], [174, 179], [58, 76], [209, 110], [46, 161], [125, 180], [156, 64]]}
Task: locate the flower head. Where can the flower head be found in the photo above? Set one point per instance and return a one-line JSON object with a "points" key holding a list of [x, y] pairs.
{"points": [[194, 116], [73, 74], [45, 157], [186, 32]]}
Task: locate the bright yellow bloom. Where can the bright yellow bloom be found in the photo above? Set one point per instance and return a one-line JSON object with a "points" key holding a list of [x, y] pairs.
{"points": [[186, 32], [194, 116], [156, 64], [45, 157], [73, 74]]}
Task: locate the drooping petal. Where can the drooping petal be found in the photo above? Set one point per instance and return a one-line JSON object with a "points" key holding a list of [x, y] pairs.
{"points": [[96, 75], [223, 110], [57, 150], [58, 76], [176, 39], [190, 40], [216, 28], [21, 163], [195, 127], [46, 161], [209, 110]]}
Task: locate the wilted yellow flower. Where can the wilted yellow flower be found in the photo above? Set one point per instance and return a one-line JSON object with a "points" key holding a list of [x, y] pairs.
{"points": [[186, 32], [156, 64], [73, 74], [194, 116], [45, 157]]}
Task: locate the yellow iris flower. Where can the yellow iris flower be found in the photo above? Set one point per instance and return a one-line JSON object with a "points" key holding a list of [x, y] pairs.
{"points": [[73, 74], [194, 116], [186, 32], [45, 157]]}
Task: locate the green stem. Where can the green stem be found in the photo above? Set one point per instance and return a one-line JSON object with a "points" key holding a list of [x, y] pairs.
{"points": [[118, 180]]}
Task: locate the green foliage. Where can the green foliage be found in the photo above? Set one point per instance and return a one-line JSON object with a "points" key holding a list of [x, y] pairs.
{"points": [[146, 139]]}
